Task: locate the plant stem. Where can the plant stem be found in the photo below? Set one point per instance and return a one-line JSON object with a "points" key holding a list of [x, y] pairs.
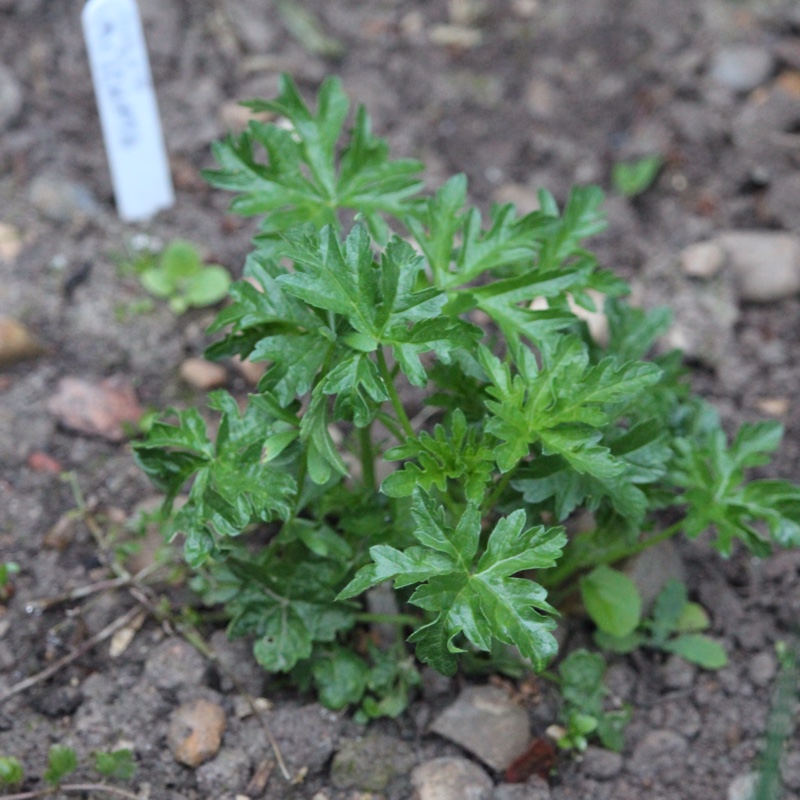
{"points": [[402, 417], [563, 574], [497, 492], [367, 458], [72, 788]]}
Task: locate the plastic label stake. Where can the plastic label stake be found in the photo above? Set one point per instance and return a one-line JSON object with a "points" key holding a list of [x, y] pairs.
{"points": [[123, 85]]}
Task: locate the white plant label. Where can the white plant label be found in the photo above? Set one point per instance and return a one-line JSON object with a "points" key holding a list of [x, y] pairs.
{"points": [[126, 100]]}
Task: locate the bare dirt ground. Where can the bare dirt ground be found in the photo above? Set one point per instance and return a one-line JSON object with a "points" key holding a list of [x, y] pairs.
{"points": [[519, 94]]}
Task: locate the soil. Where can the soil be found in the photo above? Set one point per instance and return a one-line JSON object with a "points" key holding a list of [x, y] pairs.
{"points": [[541, 93]]}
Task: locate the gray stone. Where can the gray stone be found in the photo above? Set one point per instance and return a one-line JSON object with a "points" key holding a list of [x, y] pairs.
{"points": [[741, 67], [370, 763], [783, 200], [659, 755], [601, 764], [225, 775], [677, 673], [743, 787], [174, 664], [485, 721], [307, 735], [239, 669], [762, 668], [61, 200], [766, 265], [534, 789], [652, 569], [11, 96], [451, 779], [702, 260]]}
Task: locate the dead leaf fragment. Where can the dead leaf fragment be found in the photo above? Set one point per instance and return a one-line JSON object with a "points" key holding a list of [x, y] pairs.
{"points": [[122, 638], [17, 343], [773, 406], [98, 409], [41, 462], [456, 36]]}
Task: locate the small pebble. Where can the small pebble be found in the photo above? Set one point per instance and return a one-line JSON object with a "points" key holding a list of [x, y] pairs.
{"points": [[742, 67], [762, 668], [60, 200], [766, 264], [451, 779], [174, 664], [743, 787], [203, 375], [601, 764], [487, 722], [224, 775], [702, 260], [195, 732], [677, 673], [17, 343]]}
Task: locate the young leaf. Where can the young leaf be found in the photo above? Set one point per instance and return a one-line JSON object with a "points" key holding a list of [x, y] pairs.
{"points": [[118, 764], [612, 600], [11, 771], [698, 649], [455, 453], [481, 600], [61, 760], [301, 181], [633, 178]]}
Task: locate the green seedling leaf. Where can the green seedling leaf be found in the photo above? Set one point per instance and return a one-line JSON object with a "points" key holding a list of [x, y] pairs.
{"points": [[180, 261], [208, 286], [634, 178], [611, 600], [698, 649], [693, 619], [157, 282], [11, 771], [61, 761], [306, 28], [619, 644], [341, 678], [118, 764]]}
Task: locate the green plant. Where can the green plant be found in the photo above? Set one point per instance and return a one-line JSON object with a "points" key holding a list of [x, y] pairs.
{"points": [[63, 761], [179, 276], [583, 712], [286, 520], [676, 626], [635, 177], [7, 569]]}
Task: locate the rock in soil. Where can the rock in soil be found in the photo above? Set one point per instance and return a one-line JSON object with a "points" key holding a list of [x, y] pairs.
{"points": [[17, 343], [783, 200], [742, 67], [101, 409], [195, 732], [660, 754], [224, 776], [61, 200], [743, 787], [307, 735], [203, 375], [370, 763], [766, 264], [601, 764], [702, 260], [762, 668], [487, 722], [535, 789], [239, 669], [652, 569], [451, 779], [174, 664], [677, 673]]}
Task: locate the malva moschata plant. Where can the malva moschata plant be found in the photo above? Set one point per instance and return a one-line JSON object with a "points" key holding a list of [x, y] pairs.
{"points": [[423, 423]]}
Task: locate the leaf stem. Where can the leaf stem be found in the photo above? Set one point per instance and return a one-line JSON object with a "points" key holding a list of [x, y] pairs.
{"points": [[72, 788], [497, 492], [562, 575], [402, 417], [367, 458], [393, 619]]}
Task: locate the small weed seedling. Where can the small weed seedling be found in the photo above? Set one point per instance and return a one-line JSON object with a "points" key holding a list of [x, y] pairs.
{"points": [[63, 761], [636, 177], [180, 277], [288, 521]]}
